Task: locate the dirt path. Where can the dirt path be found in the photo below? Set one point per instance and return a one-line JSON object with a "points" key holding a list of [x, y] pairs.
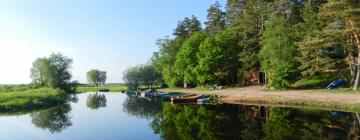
{"points": [[304, 98]]}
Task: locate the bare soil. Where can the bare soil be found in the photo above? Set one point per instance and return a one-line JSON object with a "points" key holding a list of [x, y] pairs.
{"points": [[348, 101]]}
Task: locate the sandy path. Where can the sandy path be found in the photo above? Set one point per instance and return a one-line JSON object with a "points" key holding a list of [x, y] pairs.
{"points": [[255, 94]]}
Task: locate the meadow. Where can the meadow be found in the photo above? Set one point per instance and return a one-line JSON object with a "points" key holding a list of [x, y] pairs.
{"points": [[19, 98]]}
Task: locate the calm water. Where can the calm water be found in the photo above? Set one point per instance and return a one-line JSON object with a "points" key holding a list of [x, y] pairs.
{"points": [[119, 116]]}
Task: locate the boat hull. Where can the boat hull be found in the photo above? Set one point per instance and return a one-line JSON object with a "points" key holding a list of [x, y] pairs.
{"points": [[186, 99]]}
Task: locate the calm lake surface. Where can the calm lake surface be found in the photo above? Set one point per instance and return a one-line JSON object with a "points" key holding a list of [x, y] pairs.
{"points": [[107, 116]]}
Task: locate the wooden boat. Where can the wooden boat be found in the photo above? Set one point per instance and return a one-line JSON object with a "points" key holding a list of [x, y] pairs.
{"points": [[186, 99], [204, 98], [168, 96]]}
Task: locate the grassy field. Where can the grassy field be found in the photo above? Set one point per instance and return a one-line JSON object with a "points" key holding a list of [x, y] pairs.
{"points": [[112, 88], [81, 89], [13, 99]]}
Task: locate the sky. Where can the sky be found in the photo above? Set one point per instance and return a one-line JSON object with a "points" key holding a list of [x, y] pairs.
{"points": [[109, 35]]}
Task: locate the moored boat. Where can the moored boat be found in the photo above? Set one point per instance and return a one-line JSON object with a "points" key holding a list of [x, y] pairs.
{"points": [[186, 99]]}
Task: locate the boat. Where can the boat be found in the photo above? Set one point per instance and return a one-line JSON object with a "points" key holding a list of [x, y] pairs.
{"points": [[148, 93], [186, 99], [168, 96], [104, 90], [204, 98]]}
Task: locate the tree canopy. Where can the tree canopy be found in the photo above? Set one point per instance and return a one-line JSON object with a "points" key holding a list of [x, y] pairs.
{"points": [[53, 71], [96, 77]]}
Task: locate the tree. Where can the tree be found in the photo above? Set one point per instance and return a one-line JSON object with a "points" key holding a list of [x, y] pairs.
{"points": [[311, 60], [278, 53], [249, 27], [187, 27], [341, 18], [234, 9], [52, 72], [215, 19], [40, 72], [96, 77], [218, 59], [186, 59], [141, 74]]}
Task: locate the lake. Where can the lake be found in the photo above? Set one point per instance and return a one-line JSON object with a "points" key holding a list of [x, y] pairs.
{"points": [[117, 116]]}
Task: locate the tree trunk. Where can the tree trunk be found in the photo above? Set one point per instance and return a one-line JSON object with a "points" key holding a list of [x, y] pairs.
{"points": [[356, 84], [357, 42]]}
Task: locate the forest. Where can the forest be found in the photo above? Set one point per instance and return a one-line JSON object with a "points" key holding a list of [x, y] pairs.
{"points": [[287, 43]]}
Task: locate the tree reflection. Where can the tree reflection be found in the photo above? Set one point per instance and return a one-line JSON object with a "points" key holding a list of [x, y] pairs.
{"points": [[225, 121], [187, 122], [285, 123], [141, 107], [95, 101], [55, 119], [206, 122]]}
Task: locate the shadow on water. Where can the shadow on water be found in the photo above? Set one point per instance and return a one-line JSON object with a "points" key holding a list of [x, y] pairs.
{"points": [[96, 101], [55, 119], [225, 121]]}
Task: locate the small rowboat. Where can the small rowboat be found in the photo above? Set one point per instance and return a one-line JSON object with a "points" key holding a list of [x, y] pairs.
{"points": [[191, 98], [204, 98]]}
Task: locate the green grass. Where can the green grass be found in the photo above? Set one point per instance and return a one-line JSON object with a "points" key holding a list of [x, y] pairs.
{"points": [[81, 89], [114, 88], [315, 82], [15, 99]]}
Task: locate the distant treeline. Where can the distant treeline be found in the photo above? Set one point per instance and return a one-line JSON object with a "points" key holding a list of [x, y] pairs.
{"points": [[285, 40]]}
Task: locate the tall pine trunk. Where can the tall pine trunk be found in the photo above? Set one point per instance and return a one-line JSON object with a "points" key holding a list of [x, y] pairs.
{"points": [[357, 42], [356, 84]]}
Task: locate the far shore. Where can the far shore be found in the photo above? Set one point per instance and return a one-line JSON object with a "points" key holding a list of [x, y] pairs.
{"points": [[314, 99]]}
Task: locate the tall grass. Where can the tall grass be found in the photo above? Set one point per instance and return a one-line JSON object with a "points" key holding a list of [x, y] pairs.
{"points": [[14, 99]]}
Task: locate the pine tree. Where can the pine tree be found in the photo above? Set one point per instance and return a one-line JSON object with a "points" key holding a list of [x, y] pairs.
{"points": [[234, 8], [215, 19], [311, 60], [342, 19]]}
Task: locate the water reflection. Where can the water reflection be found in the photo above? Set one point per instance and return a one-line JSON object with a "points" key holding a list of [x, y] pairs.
{"points": [[207, 122], [141, 107], [96, 101], [55, 119], [144, 118], [180, 122]]}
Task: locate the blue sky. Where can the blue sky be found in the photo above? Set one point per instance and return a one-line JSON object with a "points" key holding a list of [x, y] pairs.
{"points": [[110, 35]]}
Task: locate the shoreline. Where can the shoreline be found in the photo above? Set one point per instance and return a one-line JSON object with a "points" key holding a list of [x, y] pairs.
{"points": [[310, 99]]}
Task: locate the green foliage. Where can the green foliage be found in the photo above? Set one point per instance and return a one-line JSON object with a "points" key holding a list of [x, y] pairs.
{"points": [[53, 72], [96, 77], [18, 99], [141, 75], [280, 38], [317, 81], [218, 60], [278, 53], [186, 61], [215, 19]]}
